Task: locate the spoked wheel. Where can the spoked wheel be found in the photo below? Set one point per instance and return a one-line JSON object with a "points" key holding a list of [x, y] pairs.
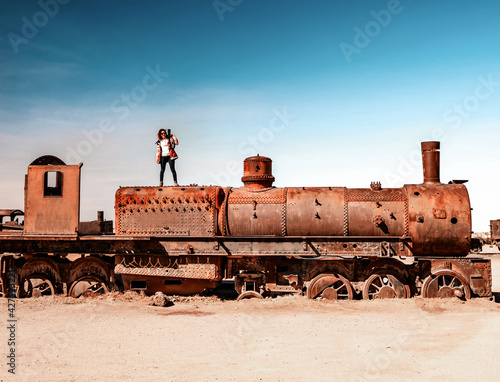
{"points": [[383, 285], [330, 287], [88, 286], [36, 286], [446, 284], [249, 294]]}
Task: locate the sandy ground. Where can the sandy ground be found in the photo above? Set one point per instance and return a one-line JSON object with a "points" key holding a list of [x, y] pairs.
{"points": [[123, 338]]}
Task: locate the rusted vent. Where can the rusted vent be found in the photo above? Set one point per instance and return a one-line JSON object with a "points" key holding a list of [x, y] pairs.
{"points": [[257, 172]]}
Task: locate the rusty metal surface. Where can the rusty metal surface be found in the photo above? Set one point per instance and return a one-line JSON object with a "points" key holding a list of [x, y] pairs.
{"points": [[315, 211], [199, 267], [330, 287], [384, 285], [96, 227], [172, 275], [89, 266], [257, 172], [439, 219], [175, 267], [183, 271], [12, 226], [166, 211], [52, 210], [430, 160], [380, 212], [11, 213], [152, 284], [495, 231], [458, 274], [261, 212]]}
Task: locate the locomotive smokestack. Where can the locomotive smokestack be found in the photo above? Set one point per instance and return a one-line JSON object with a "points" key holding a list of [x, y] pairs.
{"points": [[430, 161]]}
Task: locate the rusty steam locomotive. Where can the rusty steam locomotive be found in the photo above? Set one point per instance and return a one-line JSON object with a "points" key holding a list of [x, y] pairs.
{"points": [[326, 242]]}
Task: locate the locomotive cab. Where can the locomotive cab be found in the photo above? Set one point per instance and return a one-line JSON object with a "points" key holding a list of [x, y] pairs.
{"points": [[52, 197]]}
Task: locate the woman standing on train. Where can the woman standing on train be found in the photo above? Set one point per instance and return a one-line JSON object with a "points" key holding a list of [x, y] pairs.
{"points": [[165, 153]]}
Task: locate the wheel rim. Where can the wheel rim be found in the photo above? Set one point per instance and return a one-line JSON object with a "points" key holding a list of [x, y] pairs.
{"points": [[446, 284], [37, 286], [88, 286], [330, 287], [1, 288], [383, 285], [249, 294]]}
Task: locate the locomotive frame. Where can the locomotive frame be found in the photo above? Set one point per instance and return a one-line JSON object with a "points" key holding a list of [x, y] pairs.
{"points": [[325, 242]]}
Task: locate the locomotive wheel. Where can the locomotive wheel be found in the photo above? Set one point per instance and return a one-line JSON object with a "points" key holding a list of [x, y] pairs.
{"points": [[36, 286], [2, 293], [384, 285], [88, 286], [249, 294], [446, 284], [330, 287]]}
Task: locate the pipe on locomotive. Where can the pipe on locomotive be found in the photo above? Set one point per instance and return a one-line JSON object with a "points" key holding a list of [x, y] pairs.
{"points": [[430, 162]]}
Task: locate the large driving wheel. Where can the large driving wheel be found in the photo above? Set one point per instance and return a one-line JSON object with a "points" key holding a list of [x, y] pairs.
{"points": [[88, 286], [385, 285], [36, 286], [331, 287], [446, 284]]}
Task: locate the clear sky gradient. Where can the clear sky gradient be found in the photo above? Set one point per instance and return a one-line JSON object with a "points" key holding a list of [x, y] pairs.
{"points": [[337, 93]]}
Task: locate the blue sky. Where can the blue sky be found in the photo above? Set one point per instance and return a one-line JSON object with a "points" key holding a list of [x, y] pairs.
{"points": [[337, 93]]}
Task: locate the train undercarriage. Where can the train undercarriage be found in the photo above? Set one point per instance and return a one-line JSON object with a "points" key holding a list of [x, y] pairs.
{"points": [[319, 268]]}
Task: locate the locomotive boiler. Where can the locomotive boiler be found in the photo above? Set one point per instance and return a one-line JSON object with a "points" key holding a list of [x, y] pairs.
{"points": [[326, 242]]}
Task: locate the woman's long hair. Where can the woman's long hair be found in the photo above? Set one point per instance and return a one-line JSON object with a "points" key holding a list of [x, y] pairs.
{"points": [[159, 134]]}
